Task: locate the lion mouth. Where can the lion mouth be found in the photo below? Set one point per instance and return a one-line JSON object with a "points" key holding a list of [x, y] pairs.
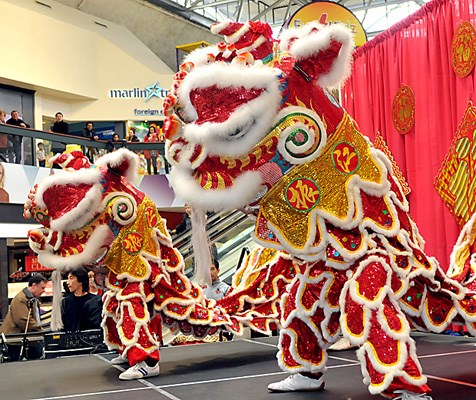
{"points": [[58, 243], [67, 244]]}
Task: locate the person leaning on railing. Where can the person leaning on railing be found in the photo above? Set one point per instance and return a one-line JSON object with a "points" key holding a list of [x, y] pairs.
{"points": [[59, 126], [16, 140]]}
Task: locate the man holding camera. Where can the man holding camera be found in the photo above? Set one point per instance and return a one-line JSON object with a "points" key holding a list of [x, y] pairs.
{"points": [[24, 316]]}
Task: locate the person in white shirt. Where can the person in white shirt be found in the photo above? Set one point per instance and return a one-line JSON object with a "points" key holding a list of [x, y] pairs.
{"points": [[41, 155], [218, 289]]}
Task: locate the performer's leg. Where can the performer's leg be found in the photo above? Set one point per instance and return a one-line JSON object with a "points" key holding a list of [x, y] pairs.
{"points": [[371, 318], [300, 354], [126, 309], [109, 322], [306, 314]]}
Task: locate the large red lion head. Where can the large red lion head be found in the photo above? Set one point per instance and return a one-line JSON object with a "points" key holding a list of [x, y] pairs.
{"points": [[244, 112]]}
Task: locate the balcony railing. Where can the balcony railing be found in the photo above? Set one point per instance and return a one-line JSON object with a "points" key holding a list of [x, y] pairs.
{"points": [[19, 145]]}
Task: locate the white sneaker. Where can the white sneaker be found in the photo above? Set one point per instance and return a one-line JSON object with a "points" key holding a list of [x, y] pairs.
{"points": [[139, 371], [296, 383], [120, 359], [406, 395]]}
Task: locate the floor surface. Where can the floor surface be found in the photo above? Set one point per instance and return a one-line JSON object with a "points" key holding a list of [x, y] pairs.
{"points": [[236, 370]]}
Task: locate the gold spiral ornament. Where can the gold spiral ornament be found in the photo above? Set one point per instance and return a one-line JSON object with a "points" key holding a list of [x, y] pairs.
{"points": [[302, 136], [123, 209]]}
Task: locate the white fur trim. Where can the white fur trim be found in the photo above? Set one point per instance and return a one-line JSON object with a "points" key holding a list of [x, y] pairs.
{"points": [[234, 37], [309, 44], [118, 157], [258, 42], [199, 56], [85, 209], [56, 321], [404, 333], [464, 239], [304, 366], [241, 193]]}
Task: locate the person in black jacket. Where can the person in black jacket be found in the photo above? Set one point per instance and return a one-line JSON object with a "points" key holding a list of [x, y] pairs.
{"points": [[132, 138], [115, 143], [59, 127], [16, 140], [185, 224], [80, 309]]}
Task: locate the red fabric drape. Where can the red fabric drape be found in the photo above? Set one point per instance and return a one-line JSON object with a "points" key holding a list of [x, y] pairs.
{"points": [[416, 52]]}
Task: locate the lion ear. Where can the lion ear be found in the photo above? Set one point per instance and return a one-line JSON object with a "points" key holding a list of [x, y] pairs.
{"points": [[123, 162], [323, 53]]}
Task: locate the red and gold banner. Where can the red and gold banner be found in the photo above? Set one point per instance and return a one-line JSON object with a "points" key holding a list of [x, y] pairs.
{"points": [[463, 49], [456, 180], [403, 109]]}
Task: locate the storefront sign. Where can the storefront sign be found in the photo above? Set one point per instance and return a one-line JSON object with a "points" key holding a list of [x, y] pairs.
{"points": [[148, 112], [154, 90], [32, 265]]}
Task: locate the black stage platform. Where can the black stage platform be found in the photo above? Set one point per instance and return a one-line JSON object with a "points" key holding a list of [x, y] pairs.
{"points": [[236, 370]]}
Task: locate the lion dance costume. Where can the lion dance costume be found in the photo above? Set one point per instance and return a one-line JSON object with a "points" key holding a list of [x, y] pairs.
{"points": [[94, 215], [251, 125]]}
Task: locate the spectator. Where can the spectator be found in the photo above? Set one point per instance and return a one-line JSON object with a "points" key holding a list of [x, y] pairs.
{"points": [[4, 196], [90, 133], [41, 155], [151, 155], [59, 127], [77, 312], [24, 316], [16, 140], [132, 138], [185, 224], [3, 138], [218, 289], [114, 144], [93, 287], [15, 120]]}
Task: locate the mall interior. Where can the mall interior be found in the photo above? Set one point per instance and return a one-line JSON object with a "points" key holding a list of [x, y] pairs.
{"points": [[113, 64]]}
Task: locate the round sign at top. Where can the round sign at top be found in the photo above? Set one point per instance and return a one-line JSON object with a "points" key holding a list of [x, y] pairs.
{"points": [[328, 13], [463, 49]]}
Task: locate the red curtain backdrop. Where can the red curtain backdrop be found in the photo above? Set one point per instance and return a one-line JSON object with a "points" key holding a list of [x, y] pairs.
{"points": [[416, 52]]}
